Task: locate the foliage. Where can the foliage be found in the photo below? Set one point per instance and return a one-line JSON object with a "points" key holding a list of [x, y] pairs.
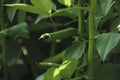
{"points": [[59, 39]]}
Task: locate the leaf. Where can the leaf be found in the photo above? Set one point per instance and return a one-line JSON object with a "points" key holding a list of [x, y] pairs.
{"points": [[52, 74], [115, 25], [117, 6], [11, 11], [65, 70], [41, 5], [105, 6], [75, 51], [54, 6], [25, 7], [72, 12], [19, 30], [102, 9], [67, 3], [40, 17], [67, 67], [111, 15], [105, 43], [41, 77]]}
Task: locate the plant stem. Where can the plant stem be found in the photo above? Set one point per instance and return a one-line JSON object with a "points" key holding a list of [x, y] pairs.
{"points": [[53, 45], [4, 61], [92, 30], [80, 19]]}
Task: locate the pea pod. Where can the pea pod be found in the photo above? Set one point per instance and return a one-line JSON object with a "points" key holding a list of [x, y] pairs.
{"points": [[62, 34]]}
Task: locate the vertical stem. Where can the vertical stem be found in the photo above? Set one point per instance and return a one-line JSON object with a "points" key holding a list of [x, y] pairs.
{"points": [[53, 45], [4, 61], [92, 30], [23, 13], [80, 19]]}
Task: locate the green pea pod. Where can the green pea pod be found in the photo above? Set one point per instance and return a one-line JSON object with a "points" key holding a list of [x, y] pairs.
{"points": [[62, 34]]}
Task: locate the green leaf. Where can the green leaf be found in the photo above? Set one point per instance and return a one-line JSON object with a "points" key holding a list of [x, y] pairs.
{"points": [[11, 11], [52, 74], [105, 43], [39, 7], [111, 15], [115, 25], [102, 9], [54, 6], [67, 12], [41, 77], [19, 30], [67, 67], [65, 70], [40, 17], [67, 3], [43, 5], [117, 6], [71, 12], [75, 51], [105, 5], [25, 7]]}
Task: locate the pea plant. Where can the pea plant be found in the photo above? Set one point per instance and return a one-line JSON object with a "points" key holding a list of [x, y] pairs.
{"points": [[77, 39]]}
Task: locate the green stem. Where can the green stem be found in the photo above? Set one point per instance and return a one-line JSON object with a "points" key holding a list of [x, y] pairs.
{"points": [[4, 61], [53, 45], [91, 39], [23, 13], [80, 19]]}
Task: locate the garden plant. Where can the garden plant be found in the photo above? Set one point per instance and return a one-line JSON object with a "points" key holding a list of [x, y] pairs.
{"points": [[59, 39]]}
